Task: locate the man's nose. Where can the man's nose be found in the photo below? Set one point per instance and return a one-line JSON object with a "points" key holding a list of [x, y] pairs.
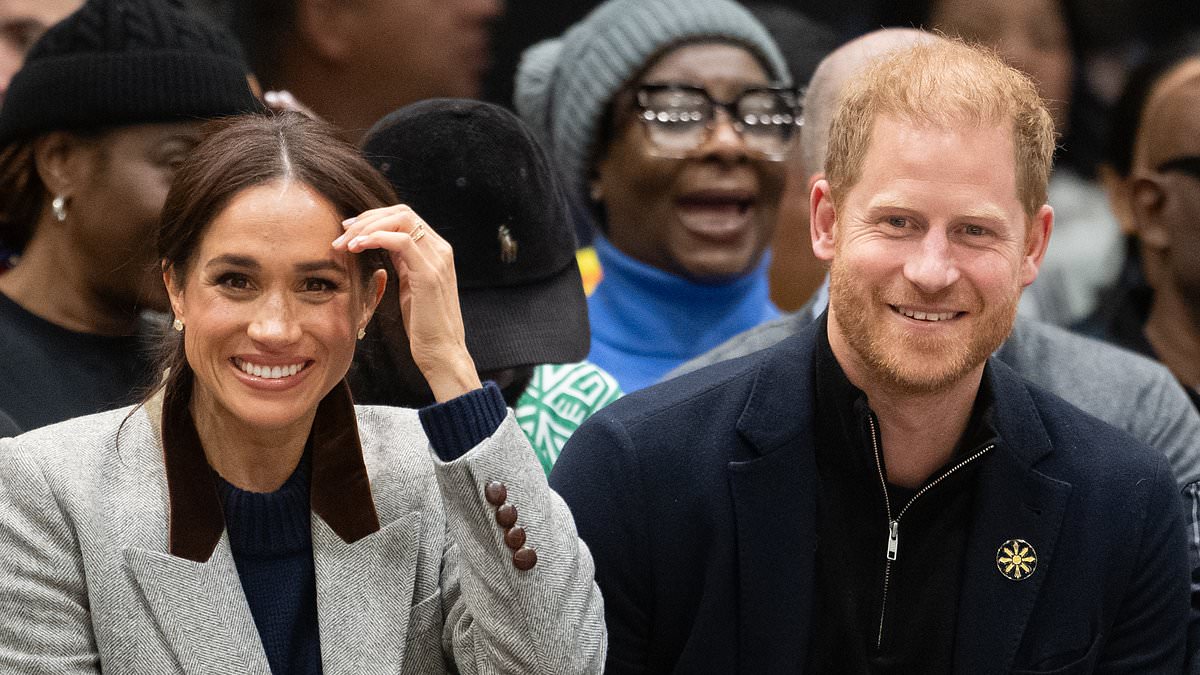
{"points": [[932, 267]]}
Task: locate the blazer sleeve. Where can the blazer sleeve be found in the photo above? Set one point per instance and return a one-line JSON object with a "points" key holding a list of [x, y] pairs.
{"points": [[598, 475], [45, 621], [1149, 633], [548, 619]]}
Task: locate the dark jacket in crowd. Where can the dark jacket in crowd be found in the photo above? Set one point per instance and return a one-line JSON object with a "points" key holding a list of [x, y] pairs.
{"points": [[698, 499]]}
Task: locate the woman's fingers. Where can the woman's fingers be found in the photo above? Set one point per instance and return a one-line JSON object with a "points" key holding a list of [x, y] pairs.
{"points": [[397, 218]]}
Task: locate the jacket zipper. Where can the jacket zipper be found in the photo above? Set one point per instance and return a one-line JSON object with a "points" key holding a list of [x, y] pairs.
{"points": [[893, 537]]}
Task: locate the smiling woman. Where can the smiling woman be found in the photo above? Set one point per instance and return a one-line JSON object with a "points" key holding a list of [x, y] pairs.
{"points": [[670, 120], [248, 513]]}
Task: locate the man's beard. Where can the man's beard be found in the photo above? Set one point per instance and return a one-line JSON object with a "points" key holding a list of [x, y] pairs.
{"points": [[908, 362]]}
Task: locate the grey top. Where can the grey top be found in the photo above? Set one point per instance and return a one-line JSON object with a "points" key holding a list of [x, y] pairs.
{"points": [[89, 584]]}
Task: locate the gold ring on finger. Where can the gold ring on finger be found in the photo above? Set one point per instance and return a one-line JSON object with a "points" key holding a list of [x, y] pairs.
{"points": [[418, 232]]}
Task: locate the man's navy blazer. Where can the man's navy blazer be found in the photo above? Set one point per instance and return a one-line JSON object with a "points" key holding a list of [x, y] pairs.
{"points": [[698, 500]]}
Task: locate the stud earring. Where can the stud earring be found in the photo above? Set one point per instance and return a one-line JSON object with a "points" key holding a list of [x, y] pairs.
{"points": [[362, 333], [59, 206], [177, 324]]}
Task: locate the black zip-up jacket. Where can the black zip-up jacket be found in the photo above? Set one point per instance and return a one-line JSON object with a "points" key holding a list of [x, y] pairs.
{"points": [[881, 615]]}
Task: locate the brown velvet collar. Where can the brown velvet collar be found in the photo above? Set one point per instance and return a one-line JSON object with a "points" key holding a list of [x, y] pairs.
{"points": [[340, 493]]}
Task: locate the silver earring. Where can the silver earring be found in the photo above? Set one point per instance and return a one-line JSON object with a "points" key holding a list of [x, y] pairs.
{"points": [[177, 325], [59, 206], [362, 333]]}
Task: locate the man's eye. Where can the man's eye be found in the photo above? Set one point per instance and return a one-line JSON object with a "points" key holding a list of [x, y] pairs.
{"points": [[975, 230], [897, 221]]}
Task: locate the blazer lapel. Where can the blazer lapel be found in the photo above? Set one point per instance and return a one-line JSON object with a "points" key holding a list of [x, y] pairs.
{"points": [[201, 610], [1014, 502], [774, 502], [364, 594]]}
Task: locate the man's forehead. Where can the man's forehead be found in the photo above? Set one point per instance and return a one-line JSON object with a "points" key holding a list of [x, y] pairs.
{"points": [[1171, 119]]}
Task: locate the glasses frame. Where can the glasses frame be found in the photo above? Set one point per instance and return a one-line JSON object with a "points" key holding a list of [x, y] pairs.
{"points": [[789, 94]]}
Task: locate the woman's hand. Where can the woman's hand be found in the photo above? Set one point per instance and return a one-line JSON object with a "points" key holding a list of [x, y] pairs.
{"points": [[428, 291]]}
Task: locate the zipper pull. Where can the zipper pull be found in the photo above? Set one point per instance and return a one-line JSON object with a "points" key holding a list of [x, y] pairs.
{"points": [[893, 542]]}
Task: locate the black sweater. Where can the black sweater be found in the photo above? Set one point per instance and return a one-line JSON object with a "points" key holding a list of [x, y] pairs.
{"points": [[872, 615]]}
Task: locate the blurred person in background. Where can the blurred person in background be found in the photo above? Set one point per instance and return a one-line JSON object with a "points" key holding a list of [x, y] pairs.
{"points": [[107, 105], [1041, 38], [475, 173], [22, 22], [670, 121], [1157, 313], [794, 272], [353, 61]]}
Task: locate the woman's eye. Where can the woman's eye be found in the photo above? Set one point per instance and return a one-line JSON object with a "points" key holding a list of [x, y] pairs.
{"points": [[233, 281], [319, 285]]}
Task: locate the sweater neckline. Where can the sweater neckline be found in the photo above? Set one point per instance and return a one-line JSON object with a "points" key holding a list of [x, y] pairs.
{"points": [[266, 524], [644, 310]]}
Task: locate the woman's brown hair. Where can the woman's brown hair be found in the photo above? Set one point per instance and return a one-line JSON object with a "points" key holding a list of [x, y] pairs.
{"points": [[239, 153]]}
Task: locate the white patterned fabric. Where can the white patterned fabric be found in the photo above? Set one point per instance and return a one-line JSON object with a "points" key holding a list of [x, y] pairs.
{"points": [[89, 585], [558, 399]]}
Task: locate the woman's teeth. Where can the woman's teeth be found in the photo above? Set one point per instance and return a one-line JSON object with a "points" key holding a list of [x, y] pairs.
{"points": [[268, 372]]}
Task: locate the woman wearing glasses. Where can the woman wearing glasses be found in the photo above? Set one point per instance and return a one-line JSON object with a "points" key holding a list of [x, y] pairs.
{"points": [[670, 119]]}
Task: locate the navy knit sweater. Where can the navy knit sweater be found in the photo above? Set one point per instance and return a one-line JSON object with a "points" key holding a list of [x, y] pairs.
{"points": [[270, 534]]}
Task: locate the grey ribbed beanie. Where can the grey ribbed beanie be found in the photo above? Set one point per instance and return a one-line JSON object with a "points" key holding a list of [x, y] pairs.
{"points": [[565, 84]]}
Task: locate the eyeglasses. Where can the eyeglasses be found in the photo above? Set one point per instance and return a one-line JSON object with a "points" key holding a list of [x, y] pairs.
{"points": [[679, 118], [1189, 164]]}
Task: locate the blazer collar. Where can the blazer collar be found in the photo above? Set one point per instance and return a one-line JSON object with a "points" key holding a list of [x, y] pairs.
{"points": [[775, 413], [340, 492]]}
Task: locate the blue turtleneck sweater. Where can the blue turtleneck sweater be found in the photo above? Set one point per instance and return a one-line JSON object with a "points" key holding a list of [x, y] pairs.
{"points": [[646, 321]]}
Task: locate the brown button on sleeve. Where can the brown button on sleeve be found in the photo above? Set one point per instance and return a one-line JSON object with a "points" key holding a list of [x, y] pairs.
{"points": [[506, 516], [496, 493], [514, 538], [525, 558]]}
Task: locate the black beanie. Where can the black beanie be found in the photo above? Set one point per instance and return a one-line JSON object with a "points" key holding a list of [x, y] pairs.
{"points": [[119, 62]]}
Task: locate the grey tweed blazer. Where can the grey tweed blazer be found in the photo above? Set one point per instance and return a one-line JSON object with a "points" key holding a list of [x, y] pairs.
{"points": [[87, 582]]}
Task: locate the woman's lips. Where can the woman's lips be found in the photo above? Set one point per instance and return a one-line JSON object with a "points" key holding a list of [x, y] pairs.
{"points": [[716, 216], [264, 375]]}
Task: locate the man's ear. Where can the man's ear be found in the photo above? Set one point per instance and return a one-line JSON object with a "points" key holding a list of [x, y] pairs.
{"points": [[1147, 202], [327, 27], [1037, 238], [822, 221]]}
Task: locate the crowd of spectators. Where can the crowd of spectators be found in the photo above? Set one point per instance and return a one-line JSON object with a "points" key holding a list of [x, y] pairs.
{"points": [[237, 235]]}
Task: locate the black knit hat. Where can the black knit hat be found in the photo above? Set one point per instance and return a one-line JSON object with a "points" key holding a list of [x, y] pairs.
{"points": [[118, 62], [474, 172]]}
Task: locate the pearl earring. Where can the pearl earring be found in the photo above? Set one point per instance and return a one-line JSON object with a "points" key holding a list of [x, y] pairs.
{"points": [[59, 206], [177, 325], [362, 333]]}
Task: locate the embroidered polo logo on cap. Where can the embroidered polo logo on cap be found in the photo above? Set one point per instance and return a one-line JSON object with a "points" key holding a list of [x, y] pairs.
{"points": [[1016, 559], [508, 245]]}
